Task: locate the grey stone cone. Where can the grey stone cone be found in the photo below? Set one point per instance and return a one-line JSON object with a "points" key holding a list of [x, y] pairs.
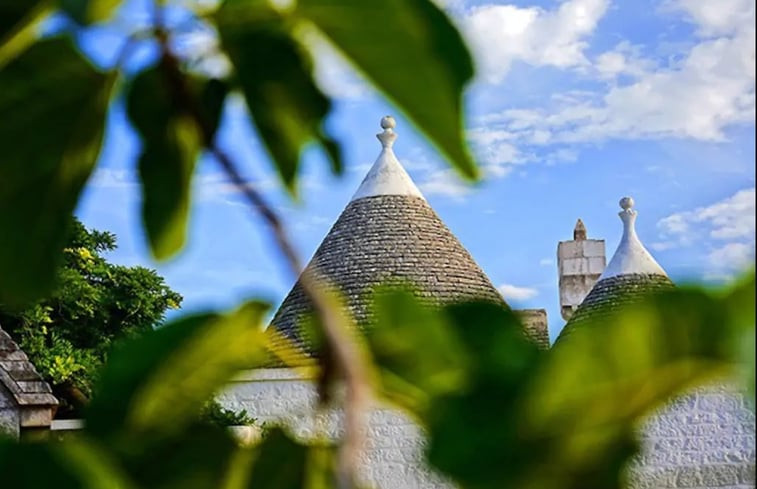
{"points": [[395, 238], [610, 294]]}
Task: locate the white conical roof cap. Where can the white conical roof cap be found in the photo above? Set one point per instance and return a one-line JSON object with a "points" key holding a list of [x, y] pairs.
{"points": [[387, 176], [631, 257]]}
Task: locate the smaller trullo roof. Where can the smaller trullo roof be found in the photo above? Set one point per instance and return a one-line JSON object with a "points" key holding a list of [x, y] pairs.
{"points": [[388, 232], [22, 381], [631, 273]]}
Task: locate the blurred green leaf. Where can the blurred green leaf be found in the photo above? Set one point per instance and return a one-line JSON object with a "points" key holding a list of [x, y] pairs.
{"points": [[171, 144], [19, 22], [740, 303], [275, 75], [198, 457], [418, 354], [54, 105], [282, 463], [212, 98], [475, 429], [89, 11], [568, 418], [411, 51], [74, 464], [169, 374]]}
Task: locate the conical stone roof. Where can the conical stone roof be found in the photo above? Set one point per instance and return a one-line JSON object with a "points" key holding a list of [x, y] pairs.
{"points": [[388, 232], [631, 274]]}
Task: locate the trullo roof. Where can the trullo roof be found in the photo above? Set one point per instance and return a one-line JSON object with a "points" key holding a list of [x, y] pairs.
{"points": [[388, 232], [631, 274]]}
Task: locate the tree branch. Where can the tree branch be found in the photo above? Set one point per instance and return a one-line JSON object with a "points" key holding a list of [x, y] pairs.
{"points": [[337, 327]]}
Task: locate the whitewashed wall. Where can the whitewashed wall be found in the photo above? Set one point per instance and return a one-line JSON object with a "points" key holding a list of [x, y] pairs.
{"points": [[703, 440], [392, 457]]}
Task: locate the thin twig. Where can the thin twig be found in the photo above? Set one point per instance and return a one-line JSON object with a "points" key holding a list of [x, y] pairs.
{"points": [[336, 326]]}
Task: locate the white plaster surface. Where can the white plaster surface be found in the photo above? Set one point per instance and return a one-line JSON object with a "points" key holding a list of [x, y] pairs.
{"points": [[705, 439], [579, 265], [631, 256], [387, 176], [702, 440], [392, 457]]}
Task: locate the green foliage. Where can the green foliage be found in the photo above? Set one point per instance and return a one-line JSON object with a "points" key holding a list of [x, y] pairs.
{"points": [[416, 349], [566, 418], [19, 20], [157, 376], [215, 414], [93, 305], [411, 51], [274, 73], [171, 142], [50, 92], [88, 11]]}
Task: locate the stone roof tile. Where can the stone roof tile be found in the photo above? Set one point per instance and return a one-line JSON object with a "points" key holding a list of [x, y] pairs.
{"points": [[19, 376]]}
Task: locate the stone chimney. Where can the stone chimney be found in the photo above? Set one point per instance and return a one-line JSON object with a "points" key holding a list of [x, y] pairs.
{"points": [[580, 262]]}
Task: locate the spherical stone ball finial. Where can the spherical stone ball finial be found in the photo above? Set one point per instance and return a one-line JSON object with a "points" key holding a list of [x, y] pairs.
{"points": [[388, 122], [626, 203]]}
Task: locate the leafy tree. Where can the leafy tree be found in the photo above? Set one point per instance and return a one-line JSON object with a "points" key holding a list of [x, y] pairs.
{"points": [[93, 305]]}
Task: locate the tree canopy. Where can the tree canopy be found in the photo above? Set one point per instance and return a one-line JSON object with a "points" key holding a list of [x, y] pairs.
{"points": [[94, 304]]}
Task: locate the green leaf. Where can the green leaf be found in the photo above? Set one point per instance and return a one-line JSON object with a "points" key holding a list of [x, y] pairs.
{"points": [[19, 23], [411, 51], [54, 105], [418, 354], [171, 372], [212, 97], [502, 362], [171, 145], [198, 457], [75, 464], [568, 418], [275, 75], [282, 463], [89, 11], [740, 302]]}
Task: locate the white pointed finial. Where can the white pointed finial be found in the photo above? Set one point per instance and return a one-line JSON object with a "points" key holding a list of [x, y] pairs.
{"points": [[386, 176], [388, 136], [631, 256]]}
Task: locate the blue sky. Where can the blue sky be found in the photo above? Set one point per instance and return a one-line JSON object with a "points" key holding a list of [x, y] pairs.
{"points": [[576, 103]]}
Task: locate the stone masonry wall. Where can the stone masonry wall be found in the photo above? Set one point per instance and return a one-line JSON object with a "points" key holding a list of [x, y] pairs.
{"points": [[392, 458], [704, 440], [9, 414]]}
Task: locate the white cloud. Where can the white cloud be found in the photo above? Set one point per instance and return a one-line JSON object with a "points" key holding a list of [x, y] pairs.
{"points": [[201, 50], [515, 293], [725, 231], [623, 59], [446, 183], [733, 256], [731, 218], [716, 17], [709, 90], [333, 72], [112, 178], [697, 93], [502, 34], [546, 262]]}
